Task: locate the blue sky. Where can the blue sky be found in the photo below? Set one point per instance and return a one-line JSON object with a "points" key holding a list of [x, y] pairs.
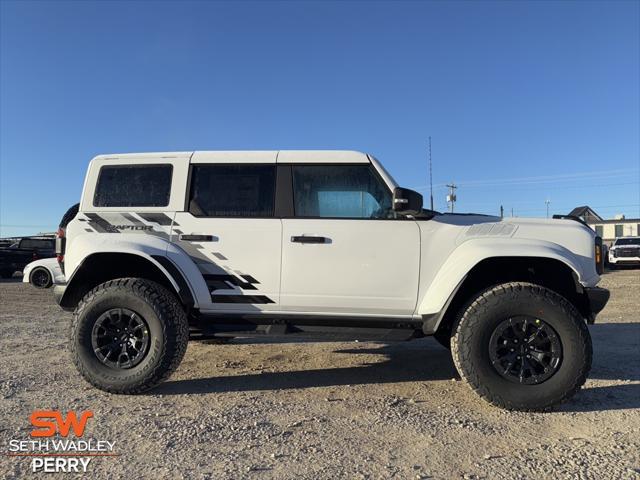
{"points": [[524, 101]]}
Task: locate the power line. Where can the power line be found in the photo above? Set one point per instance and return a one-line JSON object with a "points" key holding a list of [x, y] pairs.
{"points": [[601, 207], [554, 187], [534, 180], [623, 172]]}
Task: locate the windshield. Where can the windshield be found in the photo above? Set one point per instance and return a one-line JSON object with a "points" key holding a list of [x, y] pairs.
{"points": [[627, 241]]}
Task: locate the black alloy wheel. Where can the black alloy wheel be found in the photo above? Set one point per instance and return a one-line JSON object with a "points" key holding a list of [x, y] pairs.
{"points": [[120, 338], [525, 350], [40, 278]]}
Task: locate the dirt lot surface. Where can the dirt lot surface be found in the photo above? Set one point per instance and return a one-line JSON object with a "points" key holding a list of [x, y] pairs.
{"points": [[325, 410]]}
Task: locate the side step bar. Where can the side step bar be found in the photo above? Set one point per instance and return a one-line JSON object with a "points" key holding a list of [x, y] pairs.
{"points": [[335, 328]]}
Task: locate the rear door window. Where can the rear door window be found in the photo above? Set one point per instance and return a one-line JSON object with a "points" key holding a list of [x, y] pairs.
{"points": [[232, 190], [133, 186]]}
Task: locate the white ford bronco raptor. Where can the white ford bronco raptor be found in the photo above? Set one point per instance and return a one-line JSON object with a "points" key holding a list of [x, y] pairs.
{"points": [[318, 243]]}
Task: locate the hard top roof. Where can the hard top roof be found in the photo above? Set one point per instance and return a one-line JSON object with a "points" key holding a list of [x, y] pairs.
{"points": [[250, 156]]}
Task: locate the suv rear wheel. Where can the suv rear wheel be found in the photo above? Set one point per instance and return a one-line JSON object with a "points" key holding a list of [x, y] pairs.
{"points": [[522, 347], [128, 335]]}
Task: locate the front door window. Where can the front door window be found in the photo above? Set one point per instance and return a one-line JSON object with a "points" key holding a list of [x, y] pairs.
{"points": [[340, 191]]}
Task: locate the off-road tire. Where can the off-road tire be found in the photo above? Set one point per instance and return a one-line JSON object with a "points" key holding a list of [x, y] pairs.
{"points": [[168, 332], [479, 318], [36, 282]]}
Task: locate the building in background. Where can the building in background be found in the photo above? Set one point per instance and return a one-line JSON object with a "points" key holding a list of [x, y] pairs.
{"points": [[610, 229]]}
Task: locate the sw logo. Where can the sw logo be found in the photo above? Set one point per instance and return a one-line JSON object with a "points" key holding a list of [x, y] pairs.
{"points": [[49, 422], [50, 448]]}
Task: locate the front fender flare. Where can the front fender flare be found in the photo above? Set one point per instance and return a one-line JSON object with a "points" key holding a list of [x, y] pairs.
{"points": [[464, 258]]}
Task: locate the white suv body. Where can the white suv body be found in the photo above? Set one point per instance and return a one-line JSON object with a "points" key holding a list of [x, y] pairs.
{"points": [[370, 267], [289, 241]]}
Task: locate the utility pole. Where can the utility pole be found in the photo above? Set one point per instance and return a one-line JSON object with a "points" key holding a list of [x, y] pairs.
{"points": [[547, 201], [430, 174], [451, 198]]}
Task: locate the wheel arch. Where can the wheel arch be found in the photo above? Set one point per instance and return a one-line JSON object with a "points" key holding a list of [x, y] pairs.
{"points": [[100, 267], [548, 272]]}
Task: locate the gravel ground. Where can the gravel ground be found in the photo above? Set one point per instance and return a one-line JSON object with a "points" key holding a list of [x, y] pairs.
{"points": [[268, 409]]}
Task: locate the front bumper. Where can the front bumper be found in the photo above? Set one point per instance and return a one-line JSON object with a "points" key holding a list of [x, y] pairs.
{"points": [[624, 260], [597, 298]]}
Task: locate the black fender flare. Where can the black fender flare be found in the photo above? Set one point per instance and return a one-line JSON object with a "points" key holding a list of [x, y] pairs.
{"points": [[85, 277]]}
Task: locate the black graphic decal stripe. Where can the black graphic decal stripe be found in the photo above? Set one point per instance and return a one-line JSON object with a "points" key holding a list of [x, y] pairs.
{"points": [[227, 282], [131, 219], [230, 282], [159, 218], [100, 224], [241, 299]]}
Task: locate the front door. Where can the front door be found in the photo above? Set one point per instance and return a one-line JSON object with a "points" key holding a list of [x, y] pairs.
{"points": [[230, 232], [344, 252]]}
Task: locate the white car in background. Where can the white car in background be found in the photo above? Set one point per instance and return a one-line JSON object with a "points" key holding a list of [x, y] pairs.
{"points": [[624, 251], [43, 273]]}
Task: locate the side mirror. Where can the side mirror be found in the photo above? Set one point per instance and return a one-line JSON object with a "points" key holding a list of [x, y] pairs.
{"points": [[407, 201]]}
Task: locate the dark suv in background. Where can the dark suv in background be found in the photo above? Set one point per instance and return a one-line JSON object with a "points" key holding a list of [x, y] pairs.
{"points": [[15, 257]]}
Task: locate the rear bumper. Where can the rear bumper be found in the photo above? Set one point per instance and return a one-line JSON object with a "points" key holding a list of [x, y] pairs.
{"points": [[598, 298]]}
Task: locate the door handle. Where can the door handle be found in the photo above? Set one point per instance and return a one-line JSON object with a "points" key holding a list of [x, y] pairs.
{"points": [[198, 238], [309, 239]]}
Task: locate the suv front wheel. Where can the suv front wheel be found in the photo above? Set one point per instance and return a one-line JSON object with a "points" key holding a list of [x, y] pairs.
{"points": [[522, 347], [128, 335]]}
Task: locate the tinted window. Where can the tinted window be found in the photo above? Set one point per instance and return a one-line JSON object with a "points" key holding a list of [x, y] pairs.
{"points": [[37, 243], [348, 191], [232, 190], [133, 186], [619, 230], [599, 230]]}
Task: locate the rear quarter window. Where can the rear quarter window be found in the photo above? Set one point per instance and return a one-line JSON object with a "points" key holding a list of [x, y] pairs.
{"points": [[133, 186]]}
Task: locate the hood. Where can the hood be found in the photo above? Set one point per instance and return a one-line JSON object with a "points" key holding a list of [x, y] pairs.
{"points": [[572, 235]]}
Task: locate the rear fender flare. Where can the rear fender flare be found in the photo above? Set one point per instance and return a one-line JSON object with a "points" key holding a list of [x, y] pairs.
{"points": [[153, 251]]}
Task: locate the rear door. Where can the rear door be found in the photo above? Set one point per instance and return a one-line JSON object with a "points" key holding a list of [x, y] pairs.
{"points": [[343, 251], [230, 231]]}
